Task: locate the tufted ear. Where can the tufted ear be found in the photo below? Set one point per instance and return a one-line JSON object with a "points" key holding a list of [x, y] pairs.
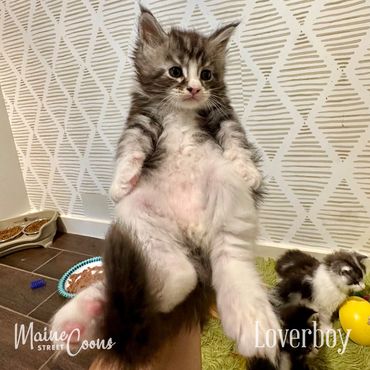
{"points": [[363, 260], [150, 31], [360, 257], [221, 36]]}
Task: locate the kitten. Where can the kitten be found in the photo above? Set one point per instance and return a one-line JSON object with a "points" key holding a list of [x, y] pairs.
{"points": [[296, 320], [321, 286], [310, 291], [186, 187]]}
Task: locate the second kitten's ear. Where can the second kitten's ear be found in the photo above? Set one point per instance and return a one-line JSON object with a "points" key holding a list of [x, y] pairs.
{"points": [[221, 37], [360, 257], [150, 31]]}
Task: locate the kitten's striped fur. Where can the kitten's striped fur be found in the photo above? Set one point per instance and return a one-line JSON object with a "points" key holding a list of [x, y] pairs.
{"points": [[186, 186]]}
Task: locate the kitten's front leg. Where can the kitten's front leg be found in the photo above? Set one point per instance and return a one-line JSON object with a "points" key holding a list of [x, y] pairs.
{"points": [[136, 143], [233, 140], [127, 174], [325, 322], [244, 166]]}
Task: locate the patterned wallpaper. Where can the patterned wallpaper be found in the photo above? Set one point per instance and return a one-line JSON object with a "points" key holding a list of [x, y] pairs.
{"points": [[299, 77]]}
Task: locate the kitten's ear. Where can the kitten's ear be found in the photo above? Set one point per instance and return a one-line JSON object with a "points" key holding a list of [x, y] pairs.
{"points": [[221, 37], [360, 257], [150, 31]]}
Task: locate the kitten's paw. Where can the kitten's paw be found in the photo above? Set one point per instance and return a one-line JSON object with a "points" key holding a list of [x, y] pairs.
{"points": [[176, 286], [249, 173], [252, 324], [78, 319], [120, 187], [245, 167], [326, 327], [126, 177]]}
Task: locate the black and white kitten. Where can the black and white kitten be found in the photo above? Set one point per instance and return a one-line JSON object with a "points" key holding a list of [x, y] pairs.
{"points": [[297, 349], [321, 286], [297, 322], [185, 187], [310, 291]]}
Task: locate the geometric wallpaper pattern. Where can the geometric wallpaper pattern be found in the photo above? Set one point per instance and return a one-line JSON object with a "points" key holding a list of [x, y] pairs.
{"points": [[298, 75]]}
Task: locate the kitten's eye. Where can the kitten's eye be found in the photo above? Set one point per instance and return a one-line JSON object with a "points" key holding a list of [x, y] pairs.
{"points": [[206, 75], [175, 72], [346, 270]]}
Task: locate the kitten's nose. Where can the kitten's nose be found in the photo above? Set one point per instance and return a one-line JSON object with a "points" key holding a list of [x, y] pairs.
{"points": [[193, 90]]}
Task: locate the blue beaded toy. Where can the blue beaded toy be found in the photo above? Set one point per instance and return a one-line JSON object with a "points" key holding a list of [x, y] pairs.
{"points": [[35, 284]]}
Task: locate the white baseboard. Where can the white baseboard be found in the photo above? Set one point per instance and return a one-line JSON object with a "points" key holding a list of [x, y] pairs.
{"points": [[97, 228], [84, 226], [275, 250]]}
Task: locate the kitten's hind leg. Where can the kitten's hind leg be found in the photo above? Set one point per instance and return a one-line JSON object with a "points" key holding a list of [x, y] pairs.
{"points": [[80, 317], [161, 243], [246, 313], [174, 276]]}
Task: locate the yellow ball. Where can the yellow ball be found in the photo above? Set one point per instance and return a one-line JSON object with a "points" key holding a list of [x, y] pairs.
{"points": [[355, 314]]}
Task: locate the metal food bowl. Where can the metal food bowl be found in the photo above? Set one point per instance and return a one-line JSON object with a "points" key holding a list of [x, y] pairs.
{"points": [[45, 220]]}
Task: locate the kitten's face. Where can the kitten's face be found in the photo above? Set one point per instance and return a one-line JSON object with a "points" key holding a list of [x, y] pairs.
{"points": [[190, 80], [182, 69], [349, 270]]}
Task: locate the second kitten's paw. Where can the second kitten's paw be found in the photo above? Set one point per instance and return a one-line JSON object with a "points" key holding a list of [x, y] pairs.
{"points": [[326, 327]]}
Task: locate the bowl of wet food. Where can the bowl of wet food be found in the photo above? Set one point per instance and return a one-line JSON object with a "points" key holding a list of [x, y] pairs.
{"points": [[80, 276]]}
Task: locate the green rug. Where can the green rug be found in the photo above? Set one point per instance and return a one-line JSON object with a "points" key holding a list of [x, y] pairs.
{"points": [[219, 353]]}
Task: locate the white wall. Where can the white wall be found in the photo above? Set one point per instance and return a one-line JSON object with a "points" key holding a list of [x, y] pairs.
{"points": [[13, 196], [298, 76]]}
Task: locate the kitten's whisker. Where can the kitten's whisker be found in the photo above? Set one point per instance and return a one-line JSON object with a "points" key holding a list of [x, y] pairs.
{"points": [[164, 103], [218, 106]]}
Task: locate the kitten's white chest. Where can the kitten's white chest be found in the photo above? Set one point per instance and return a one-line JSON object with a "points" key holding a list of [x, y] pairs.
{"points": [[185, 173], [327, 295], [179, 130]]}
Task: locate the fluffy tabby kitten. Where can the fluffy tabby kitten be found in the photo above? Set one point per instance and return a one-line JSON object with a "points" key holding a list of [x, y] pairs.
{"points": [[185, 187]]}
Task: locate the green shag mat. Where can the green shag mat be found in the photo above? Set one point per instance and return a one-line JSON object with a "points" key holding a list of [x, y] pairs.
{"points": [[219, 353]]}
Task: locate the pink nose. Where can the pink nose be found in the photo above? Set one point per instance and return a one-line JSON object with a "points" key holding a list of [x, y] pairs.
{"points": [[192, 90]]}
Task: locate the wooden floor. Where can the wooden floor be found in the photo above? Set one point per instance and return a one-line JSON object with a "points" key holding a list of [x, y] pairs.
{"points": [[21, 305]]}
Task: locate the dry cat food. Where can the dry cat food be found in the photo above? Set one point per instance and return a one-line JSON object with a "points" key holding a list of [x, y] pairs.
{"points": [[9, 233], [83, 279], [34, 227]]}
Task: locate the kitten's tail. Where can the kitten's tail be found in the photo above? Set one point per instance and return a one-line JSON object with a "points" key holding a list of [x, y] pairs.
{"points": [[130, 308], [131, 316]]}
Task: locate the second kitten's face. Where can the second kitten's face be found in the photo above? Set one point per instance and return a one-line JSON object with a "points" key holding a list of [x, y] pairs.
{"points": [[180, 69], [348, 268]]}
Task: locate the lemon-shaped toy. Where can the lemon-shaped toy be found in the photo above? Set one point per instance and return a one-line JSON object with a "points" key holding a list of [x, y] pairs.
{"points": [[354, 314]]}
